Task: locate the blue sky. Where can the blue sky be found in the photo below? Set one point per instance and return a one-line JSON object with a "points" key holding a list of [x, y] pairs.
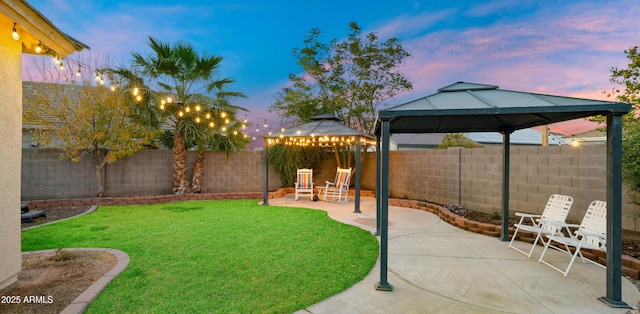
{"points": [[555, 47]]}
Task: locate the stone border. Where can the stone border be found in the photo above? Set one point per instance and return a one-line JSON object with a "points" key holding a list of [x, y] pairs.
{"points": [[90, 210], [80, 303]]}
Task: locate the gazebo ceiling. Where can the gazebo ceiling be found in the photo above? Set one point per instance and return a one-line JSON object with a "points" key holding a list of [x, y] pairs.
{"points": [[469, 107]]}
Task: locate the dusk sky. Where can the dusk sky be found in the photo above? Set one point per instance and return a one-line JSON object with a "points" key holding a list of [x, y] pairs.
{"points": [[553, 47]]}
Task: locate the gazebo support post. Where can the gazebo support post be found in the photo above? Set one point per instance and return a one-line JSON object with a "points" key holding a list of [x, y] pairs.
{"points": [[614, 212], [265, 173], [358, 174], [378, 184], [506, 135], [383, 284]]}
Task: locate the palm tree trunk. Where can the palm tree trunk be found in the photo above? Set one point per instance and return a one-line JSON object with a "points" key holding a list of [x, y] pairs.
{"points": [[196, 184], [180, 182]]}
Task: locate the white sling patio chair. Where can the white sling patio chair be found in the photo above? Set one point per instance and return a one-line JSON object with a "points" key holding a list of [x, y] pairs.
{"points": [[304, 183], [591, 234], [556, 210], [340, 187]]}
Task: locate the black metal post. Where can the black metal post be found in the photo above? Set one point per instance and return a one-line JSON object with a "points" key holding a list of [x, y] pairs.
{"points": [[378, 184], [358, 174], [614, 213], [383, 284], [265, 173], [505, 185]]}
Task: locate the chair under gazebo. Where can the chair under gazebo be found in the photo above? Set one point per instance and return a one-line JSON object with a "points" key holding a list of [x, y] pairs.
{"points": [[324, 130]]}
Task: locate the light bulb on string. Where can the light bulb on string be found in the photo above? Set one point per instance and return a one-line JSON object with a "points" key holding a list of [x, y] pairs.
{"points": [[245, 119], [257, 128], [265, 123], [78, 74], [39, 48], [15, 32]]}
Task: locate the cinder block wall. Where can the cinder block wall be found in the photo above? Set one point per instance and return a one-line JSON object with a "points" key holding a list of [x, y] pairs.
{"points": [[147, 172], [473, 177]]}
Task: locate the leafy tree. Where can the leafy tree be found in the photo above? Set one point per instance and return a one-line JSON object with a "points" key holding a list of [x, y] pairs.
{"points": [[456, 140], [349, 78], [181, 74], [629, 78], [84, 118]]}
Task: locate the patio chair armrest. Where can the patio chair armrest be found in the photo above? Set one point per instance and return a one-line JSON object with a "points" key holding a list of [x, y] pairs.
{"points": [[330, 183], [528, 215], [561, 224], [590, 234]]}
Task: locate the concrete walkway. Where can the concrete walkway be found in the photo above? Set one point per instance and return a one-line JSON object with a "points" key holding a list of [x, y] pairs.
{"points": [[435, 267]]}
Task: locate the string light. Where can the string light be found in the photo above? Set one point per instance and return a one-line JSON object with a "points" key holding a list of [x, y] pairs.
{"points": [[78, 74], [15, 32], [39, 48], [265, 123]]}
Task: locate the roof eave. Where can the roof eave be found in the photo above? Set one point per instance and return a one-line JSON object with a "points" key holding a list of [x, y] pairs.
{"points": [[39, 29]]}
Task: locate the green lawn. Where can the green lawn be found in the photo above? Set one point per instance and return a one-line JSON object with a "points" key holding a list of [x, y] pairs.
{"points": [[217, 256]]}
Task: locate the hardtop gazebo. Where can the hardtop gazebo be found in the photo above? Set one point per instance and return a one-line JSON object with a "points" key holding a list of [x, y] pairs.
{"points": [[324, 130], [470, 107]]}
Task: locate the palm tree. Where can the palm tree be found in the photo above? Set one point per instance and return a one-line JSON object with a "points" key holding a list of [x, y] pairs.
{"points": [[180, 74]]}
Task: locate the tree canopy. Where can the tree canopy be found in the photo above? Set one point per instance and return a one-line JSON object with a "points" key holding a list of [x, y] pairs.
{"points": [[456, 140], [349, 78], [84, 118], [192, 98], [629, 92]]}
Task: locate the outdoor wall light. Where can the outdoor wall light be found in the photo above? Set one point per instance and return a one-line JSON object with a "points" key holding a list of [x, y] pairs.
{"points": [[15, 32]]}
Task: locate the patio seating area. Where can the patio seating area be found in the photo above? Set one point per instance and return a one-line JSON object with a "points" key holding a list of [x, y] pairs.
{"points": [[435, 267]]}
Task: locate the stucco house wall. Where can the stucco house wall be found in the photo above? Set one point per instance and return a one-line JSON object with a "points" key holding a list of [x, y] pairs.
{"points": [[10, 153], [33, 29]]}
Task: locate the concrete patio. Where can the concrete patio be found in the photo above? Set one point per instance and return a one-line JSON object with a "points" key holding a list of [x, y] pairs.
{"points": [[435, 267]]}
